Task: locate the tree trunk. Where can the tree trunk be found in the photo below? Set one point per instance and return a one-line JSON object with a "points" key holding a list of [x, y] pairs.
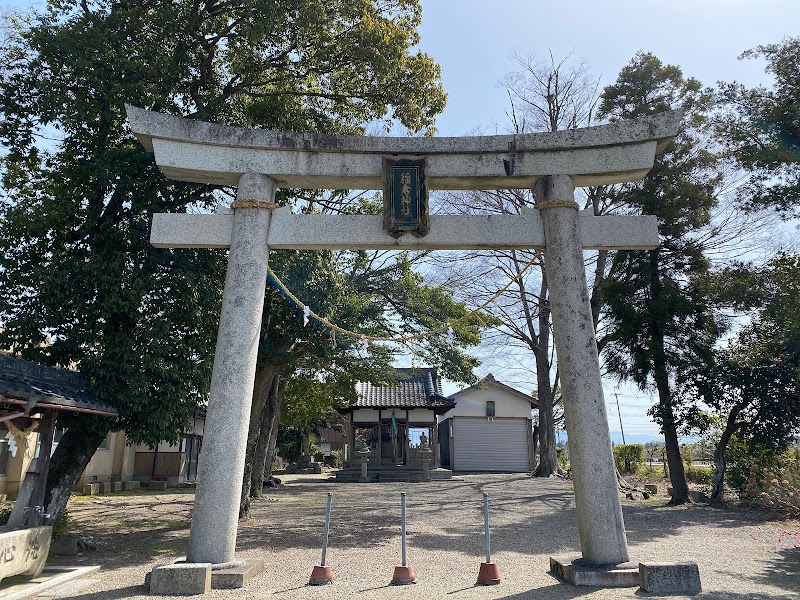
{"points": [[718, 481], [548, 458], [677, 475], [272, 447], [265, 375], [267, 439], [595, 301], [73, 453]]}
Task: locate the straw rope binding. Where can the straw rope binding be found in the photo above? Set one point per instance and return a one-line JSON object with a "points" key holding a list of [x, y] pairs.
{"points": [[253, 203], [557, 204]]}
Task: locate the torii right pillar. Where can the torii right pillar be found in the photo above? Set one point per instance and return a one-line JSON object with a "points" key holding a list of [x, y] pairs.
{"points": [[600, 524]]}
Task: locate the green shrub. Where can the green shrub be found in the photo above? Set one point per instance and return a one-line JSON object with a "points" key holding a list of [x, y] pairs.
{"points": [[628, 457], [5, 511], [698, 474], [746, 463], [686, 454], [657, 471], [338, 461], [60, 528], [561, 455], [776, 488]]}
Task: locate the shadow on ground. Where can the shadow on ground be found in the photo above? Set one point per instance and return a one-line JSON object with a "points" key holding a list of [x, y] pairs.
{"points": [[784, 570]]}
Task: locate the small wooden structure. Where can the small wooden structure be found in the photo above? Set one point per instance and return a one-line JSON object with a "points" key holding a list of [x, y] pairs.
{"points": [[397, 421], [31, 395]]}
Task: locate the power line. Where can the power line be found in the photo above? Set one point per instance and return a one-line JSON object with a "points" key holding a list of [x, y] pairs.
{"points": [[619, 412]]}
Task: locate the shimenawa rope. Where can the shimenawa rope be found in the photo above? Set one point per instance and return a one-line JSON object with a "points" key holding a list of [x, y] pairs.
{"points": [[405, 338]]}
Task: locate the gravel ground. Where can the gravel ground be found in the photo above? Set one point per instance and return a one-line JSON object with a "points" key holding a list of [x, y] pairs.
{"points": [[741, 555]]}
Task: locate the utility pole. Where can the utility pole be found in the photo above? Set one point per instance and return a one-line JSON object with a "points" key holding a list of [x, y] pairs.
{"points": [[616, 395]]}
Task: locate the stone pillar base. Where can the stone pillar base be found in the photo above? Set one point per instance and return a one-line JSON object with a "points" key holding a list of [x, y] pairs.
{"points": [[237, 575], [573, 570], [184, 578]]}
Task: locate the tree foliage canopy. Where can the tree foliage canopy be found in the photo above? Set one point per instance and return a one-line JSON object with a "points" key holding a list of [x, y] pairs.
{"points": [[761, 130], [81, 284], [756, 379]]}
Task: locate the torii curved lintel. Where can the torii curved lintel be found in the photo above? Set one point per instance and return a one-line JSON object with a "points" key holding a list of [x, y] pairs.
{"points": [[203, 152]]}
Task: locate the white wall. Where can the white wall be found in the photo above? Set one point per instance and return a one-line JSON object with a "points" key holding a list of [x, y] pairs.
{"points": [[472, 403], [162, 447], [419, 415], [365, 415]]}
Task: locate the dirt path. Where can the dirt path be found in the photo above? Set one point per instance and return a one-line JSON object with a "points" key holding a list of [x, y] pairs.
{"points": [[740, 555]]}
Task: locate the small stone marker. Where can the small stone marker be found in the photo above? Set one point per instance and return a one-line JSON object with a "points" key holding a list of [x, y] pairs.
{"points": [[131, 485], [425, 456], [157, 485], [91, 489], [183, 579], [364, 454], [698, 496], [24, 551], [669, 578], [651, 488], [66, 545]]}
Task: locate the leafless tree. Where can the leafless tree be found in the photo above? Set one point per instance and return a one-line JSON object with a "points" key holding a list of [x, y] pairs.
{"points": [[543, 96]]}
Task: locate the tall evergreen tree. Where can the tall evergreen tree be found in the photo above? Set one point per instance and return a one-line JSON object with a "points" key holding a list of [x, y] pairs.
{"points": [[660, 320]]}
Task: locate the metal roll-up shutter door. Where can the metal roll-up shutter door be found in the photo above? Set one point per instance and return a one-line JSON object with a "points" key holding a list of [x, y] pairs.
{"points": [[484, 445]]}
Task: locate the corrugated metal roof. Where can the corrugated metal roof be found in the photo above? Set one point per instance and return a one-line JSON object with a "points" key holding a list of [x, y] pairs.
{"points": [[23, 382], [415, 388]]}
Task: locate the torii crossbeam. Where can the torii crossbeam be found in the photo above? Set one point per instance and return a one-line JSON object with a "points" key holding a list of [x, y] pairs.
{"points": [[259, 161]]}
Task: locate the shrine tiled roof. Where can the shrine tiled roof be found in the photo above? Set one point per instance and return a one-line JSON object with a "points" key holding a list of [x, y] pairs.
{"points": [[414, 388], [30, 385]]}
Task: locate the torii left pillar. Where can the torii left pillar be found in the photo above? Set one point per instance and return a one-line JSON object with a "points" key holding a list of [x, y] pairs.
{"points": [[215, 515]]}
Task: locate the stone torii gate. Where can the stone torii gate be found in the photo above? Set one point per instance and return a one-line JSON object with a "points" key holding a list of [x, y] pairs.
{"points": [[259, 161]]}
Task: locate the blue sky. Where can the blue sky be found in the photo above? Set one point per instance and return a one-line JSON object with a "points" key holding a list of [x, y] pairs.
{"points": [[473, 41]]}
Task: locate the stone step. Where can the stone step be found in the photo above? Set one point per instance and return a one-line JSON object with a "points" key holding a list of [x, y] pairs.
{"points": [[404, 477]]}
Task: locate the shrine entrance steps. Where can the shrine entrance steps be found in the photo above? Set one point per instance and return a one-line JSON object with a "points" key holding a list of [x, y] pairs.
{"points": [[386, 473]]}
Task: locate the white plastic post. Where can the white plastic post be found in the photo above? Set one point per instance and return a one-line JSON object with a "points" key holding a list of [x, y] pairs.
{"points": [[403, 524], [327, 528], [486, 526]]}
